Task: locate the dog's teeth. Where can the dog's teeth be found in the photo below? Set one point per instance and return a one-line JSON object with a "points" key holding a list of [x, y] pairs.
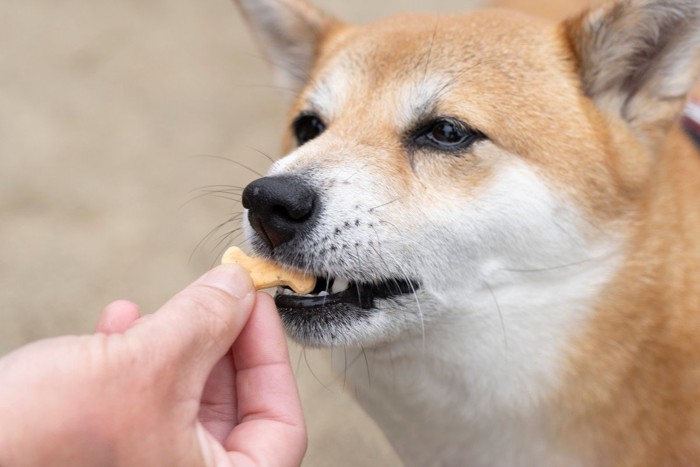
{"points": [[340, 285]]}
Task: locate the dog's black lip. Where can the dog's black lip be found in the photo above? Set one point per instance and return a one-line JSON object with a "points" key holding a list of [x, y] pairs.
{"points": [[361, 295]]}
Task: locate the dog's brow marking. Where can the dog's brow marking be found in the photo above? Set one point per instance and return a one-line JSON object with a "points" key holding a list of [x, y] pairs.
{"points": [[331, 92], [417, 101]]}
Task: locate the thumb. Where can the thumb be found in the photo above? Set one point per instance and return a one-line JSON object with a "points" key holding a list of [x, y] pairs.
{"points": [[195, 328]]}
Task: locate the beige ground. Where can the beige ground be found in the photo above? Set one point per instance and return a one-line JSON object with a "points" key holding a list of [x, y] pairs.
{"points": [[104, 106]]}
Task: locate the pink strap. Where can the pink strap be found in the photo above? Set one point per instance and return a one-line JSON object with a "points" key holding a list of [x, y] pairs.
{"points": [[691, 119]]}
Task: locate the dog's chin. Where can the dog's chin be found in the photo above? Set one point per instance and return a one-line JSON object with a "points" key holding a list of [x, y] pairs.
{"points": [[352, 314]]}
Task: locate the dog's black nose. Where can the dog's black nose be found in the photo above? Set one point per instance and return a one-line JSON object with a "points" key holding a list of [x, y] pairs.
{"points": [[280, 207]]}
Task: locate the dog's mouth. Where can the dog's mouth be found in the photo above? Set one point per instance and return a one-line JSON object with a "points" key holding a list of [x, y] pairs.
{"points": [[337, 292]]}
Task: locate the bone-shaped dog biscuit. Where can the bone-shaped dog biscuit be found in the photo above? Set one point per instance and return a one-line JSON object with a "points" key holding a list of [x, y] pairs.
{"points": [[266, 274]]}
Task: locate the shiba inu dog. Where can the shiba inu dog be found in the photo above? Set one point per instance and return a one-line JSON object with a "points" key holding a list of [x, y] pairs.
{"points": [[504, 215]]}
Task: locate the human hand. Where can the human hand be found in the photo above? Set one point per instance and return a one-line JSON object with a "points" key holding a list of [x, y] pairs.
{"points": [[204, 381]]}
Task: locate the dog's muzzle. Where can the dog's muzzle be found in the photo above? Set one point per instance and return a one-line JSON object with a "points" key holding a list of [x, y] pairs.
{"points": [[284, 211]]}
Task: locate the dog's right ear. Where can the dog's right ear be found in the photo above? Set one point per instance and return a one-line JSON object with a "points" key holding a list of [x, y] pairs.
{"points": [[290, 32], [639, 59]]}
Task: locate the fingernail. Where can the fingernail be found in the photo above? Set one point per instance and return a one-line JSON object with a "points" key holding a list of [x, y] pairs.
{"points": [[230, 278]]}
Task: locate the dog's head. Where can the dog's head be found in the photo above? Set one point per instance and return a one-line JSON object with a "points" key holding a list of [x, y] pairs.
{"points": [[477, 165]]}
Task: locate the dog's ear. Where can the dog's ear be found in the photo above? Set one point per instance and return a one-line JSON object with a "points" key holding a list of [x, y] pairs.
{"points": [[639, 59], [289, 32]]}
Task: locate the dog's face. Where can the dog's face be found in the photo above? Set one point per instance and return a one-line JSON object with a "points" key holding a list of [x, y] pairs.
{"points": [[442, 167]]}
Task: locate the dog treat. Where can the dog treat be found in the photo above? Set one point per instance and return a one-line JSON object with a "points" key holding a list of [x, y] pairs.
{"points": [[266, 274]]}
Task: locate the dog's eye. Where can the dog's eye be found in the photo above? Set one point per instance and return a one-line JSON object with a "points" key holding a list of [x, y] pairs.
{"points": [[447, 134], [307, 127]]}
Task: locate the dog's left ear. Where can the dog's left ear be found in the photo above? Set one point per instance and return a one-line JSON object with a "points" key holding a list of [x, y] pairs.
{"points": [[638, 59], [290, 33]]}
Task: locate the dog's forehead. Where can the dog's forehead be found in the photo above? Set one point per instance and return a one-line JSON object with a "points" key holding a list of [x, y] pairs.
{"points": [[410, 39], [417, 61]]}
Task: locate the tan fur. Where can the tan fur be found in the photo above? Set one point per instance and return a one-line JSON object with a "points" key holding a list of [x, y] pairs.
{"points": [[631, 395], [635, 375]]}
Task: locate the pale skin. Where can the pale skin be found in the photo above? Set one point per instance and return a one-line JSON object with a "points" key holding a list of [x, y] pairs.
{"points": [[204, 381]]}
